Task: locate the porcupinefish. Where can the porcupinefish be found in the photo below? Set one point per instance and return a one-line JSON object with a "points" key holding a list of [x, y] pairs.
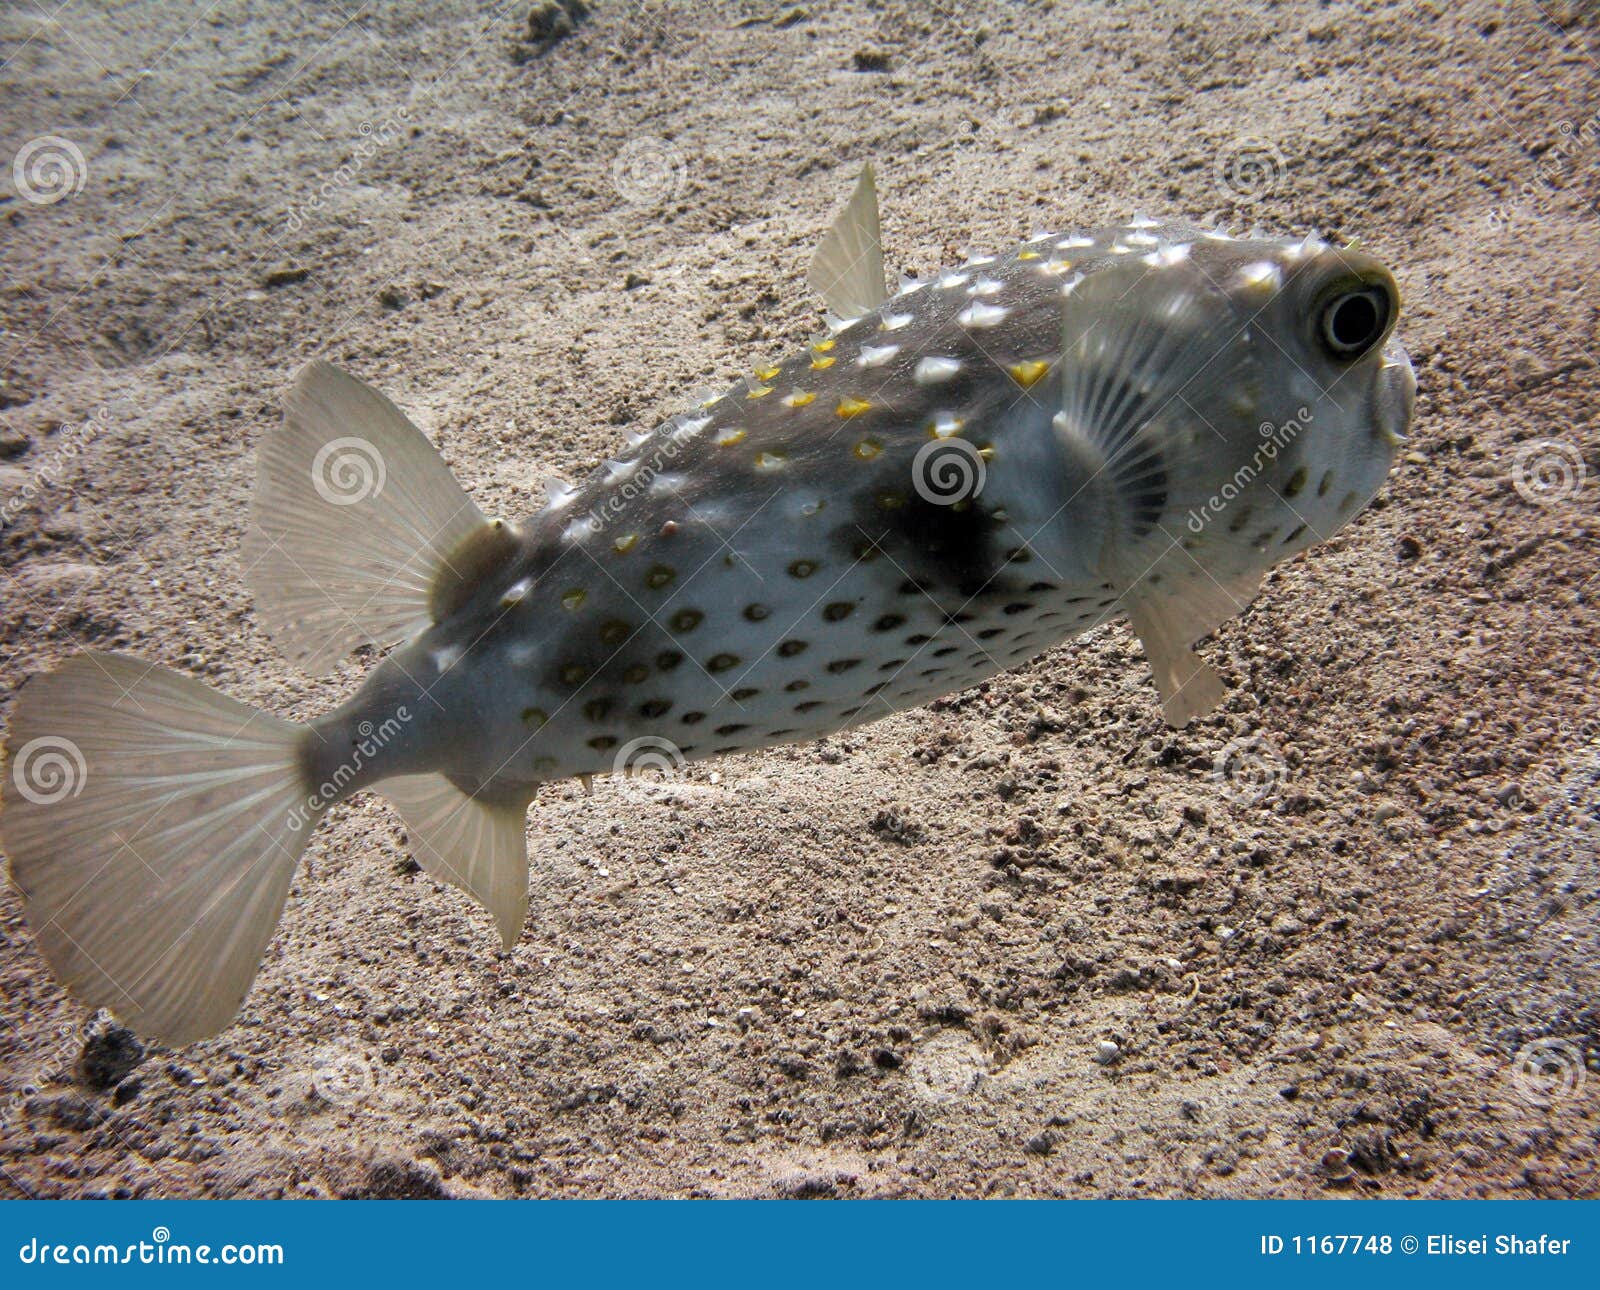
{"points": [[1134, 421]]}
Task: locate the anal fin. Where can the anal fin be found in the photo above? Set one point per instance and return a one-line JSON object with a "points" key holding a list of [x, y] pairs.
{"points": [[472, 843]]}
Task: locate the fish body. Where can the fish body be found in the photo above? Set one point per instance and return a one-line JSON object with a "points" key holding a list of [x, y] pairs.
{"points": [[900, 510], [1136, 420]]}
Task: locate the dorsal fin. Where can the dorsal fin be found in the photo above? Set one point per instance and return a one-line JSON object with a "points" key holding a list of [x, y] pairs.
{"points": [[847, 270], [355, 516]]}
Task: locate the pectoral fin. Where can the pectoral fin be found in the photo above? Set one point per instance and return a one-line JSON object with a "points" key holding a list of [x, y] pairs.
{"points": [[1168, 620], [847, 270]]}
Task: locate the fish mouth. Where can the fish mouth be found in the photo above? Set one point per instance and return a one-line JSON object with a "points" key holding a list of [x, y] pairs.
{"points": [[1396, 399]]}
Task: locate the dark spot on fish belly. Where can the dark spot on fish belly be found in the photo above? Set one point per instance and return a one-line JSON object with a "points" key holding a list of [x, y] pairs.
{"points": [[951, 554]]}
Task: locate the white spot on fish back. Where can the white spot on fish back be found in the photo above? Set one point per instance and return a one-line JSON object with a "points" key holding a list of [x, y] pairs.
{"points": [[445, 657], [689, 427], [894, 322], [951, 280], [974, 260], [877, 355], [1261, 274], [978, 314], [1074, 243], [985, 287], [515, 593], [1165, 257], [930, 371], [1143, 221]]}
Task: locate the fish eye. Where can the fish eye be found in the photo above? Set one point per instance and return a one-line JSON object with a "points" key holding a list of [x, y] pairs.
{"points": [[1354, 321]]}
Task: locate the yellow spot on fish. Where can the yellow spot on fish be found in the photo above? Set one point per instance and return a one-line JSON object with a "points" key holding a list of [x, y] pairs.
{"points": [[1027, 255], [730, 437], [1029, 373], [574, 599], [766, 373], [823, 346], [867, 449], [849, 407], [768, 461], [800, 398], [1057, 266], [535, 717], [987, 451], [625, 543], [759, 392], [821, 364]]}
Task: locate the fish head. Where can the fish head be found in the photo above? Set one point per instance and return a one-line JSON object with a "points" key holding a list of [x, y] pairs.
{"points": [[1244, 399], [1334, 387]]}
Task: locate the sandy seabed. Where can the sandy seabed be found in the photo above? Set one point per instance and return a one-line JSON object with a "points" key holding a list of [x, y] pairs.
{"points": [[1340, 936]]}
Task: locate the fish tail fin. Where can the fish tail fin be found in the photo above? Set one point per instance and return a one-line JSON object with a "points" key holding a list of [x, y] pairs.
{"points": [[359, 533], [153, 826]]}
